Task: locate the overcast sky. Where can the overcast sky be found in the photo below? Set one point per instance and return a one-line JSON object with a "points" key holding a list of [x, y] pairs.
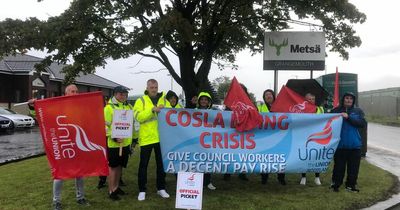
{"points": [[374, 62]]}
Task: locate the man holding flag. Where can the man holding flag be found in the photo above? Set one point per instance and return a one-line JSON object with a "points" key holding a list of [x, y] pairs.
{"points": [[70, 90]]}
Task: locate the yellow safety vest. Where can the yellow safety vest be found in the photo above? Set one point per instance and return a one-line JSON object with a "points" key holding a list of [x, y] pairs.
{"points": [[148, 131], [262, 108], [178, 106], [114, 104], [320, 110]]}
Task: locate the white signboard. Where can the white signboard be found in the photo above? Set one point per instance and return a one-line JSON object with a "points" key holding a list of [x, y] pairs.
{"points": [[189, 190], [294, 51], [122, 124]]}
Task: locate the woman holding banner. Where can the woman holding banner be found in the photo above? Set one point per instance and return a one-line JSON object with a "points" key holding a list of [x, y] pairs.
{"points": [[269, 98], [204, 101]]}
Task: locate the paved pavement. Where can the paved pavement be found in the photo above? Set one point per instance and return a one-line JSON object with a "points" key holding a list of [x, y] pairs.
{"points": [[384, 152]]}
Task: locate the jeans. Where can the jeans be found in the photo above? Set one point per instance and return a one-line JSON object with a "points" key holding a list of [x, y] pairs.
{"points": [[57, 186]]}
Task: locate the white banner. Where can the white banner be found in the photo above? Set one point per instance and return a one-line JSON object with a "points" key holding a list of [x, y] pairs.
{"points": [[122, 124], [189, 190]]}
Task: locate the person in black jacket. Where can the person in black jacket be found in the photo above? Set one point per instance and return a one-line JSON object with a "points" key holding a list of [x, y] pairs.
{"points": [[348, 153]]}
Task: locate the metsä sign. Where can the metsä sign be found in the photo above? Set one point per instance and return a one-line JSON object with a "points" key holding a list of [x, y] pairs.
{"points": [[294, 51]]}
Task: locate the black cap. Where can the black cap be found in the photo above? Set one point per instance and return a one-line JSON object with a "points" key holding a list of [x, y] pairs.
{"points": [[121, 89]]}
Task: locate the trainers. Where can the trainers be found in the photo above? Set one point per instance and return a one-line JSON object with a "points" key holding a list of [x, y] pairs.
{"points": [[334, 188], [101, 185], [57, 206], [352, 189], [317, 181], [122, 183], [303, 180], [141, 196], [163, 193], [83, 202], [119, 191], [211, 186], [114, 196]]}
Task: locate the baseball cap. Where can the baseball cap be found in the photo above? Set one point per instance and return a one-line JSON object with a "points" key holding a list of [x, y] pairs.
{"points": [[121, 89]]}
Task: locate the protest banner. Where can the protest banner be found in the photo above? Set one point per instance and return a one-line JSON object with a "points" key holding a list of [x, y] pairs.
{"points": [[204, 141]]}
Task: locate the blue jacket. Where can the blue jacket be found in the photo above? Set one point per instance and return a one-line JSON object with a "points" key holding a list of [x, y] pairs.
{"points": [[350, 137]]}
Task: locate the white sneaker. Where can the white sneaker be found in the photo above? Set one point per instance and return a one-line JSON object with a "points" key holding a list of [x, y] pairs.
{"points": [[211, 186], [303, 181], [317, 181], [163, 193], [141, 196]]}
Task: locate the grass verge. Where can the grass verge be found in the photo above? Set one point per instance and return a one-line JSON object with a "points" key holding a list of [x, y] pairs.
{"points": [[390, 121], [28, 185]]}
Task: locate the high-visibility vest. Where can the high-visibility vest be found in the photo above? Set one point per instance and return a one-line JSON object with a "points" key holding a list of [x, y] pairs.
{"points": [[263, 108], [320, 110], [114, 104], [177, 106], [143, 113]]}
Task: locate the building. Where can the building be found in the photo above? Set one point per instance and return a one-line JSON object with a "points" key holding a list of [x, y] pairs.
{"points": [[348, 82], [19, 81], [382, 102]]}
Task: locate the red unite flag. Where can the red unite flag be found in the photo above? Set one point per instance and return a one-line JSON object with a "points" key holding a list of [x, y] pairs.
{"points": [[73, 133], [336, 93], [245, 115], [290, 101]]}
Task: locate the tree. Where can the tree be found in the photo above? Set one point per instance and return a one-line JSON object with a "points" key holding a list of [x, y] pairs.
{"points": [[198, 32]]}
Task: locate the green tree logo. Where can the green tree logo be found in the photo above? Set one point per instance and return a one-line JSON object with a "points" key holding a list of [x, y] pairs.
{"points": [[278, 46]]}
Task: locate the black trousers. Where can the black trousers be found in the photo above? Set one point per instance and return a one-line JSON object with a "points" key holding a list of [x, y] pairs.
{"points": [[265, 176], [206, 179], [346, 158], [145, 154]]}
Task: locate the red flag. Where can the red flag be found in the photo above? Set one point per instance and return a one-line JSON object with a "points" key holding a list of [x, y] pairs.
{"points": [[290, 101], [336, 93], [245, 115], [73, 134]]}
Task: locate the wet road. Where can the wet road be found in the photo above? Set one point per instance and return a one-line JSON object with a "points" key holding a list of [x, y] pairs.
{"points": [[384, 151], [19, 144]]}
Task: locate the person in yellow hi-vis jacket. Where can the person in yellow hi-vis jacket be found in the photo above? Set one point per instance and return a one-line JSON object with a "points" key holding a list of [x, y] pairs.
{"points": [[319, 110], [145, 112], [116, 160], [173, 100]]}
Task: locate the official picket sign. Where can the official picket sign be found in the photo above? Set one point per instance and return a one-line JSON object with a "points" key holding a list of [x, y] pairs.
{"points": [[206, 141], [122, 124], [294, 51], [189, 190]]}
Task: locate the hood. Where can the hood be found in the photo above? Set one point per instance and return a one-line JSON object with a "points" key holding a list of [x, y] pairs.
{"points": [[171, 94], [348, 94], [204, 94]]}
